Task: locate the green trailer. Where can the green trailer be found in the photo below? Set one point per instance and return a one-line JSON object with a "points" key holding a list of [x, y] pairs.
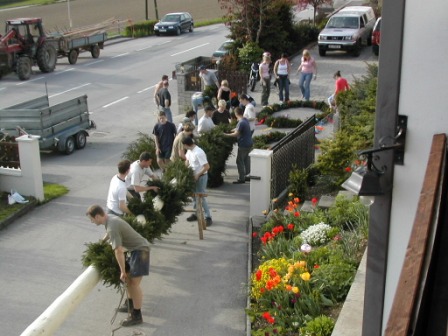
{"points": [[63, 126]]}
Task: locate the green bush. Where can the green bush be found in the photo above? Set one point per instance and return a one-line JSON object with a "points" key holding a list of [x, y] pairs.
{"points": [[334, 279], [249, 53], [319, 326], [140, 29], [144, 143]]}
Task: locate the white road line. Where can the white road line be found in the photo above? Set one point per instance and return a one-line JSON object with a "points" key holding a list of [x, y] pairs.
{"points": [[189, 49], [2, 88], [67, 70], [31, 80], [88, 64], [148, 88], [72, 89], [117, 101], [153, 45], [127, 53]]}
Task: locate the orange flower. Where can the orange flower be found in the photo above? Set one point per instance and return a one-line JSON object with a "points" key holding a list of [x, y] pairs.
{"points": [[288, 287], [296, 200]]}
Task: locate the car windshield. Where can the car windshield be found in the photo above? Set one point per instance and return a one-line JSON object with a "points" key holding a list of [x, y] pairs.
{"points": [[343, 22], [225, 46], [171, 18]]}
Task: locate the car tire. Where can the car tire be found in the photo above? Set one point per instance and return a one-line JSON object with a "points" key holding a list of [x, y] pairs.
{"points": [[178, 31], [322, 52], [357, 50], [376, 50], [191, 28], [157, 33]]}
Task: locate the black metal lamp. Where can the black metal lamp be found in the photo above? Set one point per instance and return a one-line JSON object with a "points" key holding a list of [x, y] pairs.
{"points": [[365, 182]]}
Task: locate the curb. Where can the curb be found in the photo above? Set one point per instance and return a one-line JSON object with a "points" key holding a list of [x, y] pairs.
{"points": [[27, 208]]}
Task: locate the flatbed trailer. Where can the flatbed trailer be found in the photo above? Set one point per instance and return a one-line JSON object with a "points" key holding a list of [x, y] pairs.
{"points": [[63, 126]]}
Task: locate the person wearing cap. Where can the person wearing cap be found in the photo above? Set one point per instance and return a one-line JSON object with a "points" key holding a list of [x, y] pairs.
{"points": [[134, 180], [221, 115], [190, 117], [165, 100], [197, 161], [249, 111], [209, 80], [265, 76], [206, 123], [178, 151]]}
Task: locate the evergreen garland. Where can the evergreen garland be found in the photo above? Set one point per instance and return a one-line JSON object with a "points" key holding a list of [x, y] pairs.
{"points": [[282, 122], [266, 140]]}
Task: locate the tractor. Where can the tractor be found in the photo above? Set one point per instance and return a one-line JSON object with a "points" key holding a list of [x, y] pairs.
{"points": [[24, 45]]}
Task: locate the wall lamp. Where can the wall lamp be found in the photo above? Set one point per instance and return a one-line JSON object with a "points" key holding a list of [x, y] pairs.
{"points": [[365, 182]]}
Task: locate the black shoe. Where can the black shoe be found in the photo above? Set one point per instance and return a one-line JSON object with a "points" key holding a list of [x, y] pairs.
{"points": [[208, 221], [247, 178], [192, 218], [132, 320], [124, 307], [238, 182]]}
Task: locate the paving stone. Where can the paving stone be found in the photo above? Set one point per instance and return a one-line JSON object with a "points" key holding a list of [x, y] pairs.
{"points": [[326, 201]]}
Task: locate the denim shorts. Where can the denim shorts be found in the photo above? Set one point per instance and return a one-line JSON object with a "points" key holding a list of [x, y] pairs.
{"points": [[165, 154], [138, 261]]}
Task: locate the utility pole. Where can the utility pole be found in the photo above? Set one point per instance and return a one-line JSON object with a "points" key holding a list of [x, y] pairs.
{"points": [[157, 11], [146, 10], [69, 15]]}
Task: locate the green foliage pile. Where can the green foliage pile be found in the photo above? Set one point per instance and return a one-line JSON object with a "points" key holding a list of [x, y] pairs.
{"points": [[282, 122], [140, 29], [144, 143], [265, 141]]}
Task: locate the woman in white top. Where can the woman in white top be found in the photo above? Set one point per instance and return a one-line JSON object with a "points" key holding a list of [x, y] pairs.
{"points": [[265, 77], [249, 112], [281, 71]]}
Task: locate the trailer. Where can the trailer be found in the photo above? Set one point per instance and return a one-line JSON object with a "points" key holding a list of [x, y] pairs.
{"points": [[71, 45], [63, 126]]}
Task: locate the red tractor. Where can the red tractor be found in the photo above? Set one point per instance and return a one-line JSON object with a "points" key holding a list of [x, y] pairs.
{"points": [[24, 45]]}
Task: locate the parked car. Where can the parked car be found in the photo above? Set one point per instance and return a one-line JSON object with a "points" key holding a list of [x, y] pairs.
{"points": [[376, 34], [174, 23], [222, 51], [349, 29]]}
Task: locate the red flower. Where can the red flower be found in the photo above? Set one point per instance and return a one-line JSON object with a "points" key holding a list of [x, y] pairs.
{"points": [[258, 275], [254, 234], [296, 214], [296, 200], [290, 226], [316, 266], [264, 240], [314, 200], [268, 317], [348, 169]]}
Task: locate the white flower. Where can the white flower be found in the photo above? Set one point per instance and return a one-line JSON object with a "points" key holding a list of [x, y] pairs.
{"points": [[316, 234]]}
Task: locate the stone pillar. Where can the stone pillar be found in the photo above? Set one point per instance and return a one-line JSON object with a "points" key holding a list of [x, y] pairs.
{"points": [[31, 182], [260, 184]]}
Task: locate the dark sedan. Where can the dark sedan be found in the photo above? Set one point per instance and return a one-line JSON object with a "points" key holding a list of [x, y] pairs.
{"points": [[174, 23]]}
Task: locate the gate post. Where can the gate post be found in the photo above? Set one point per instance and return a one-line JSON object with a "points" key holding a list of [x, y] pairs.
{"points": [[260, 185]]}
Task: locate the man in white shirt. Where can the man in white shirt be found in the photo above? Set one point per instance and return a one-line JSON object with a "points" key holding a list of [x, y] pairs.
{"points": [[116, 196], [197, 161], [249, 111], [134, 180], [206, 123]]}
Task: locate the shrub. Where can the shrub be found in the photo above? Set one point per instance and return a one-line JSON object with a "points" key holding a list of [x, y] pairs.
{"points": [[144, 143], [334, 279], [140, 29], [319, 326]]}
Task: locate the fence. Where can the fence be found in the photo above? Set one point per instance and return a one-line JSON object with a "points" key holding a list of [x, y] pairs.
{"points": [[9, 155]]}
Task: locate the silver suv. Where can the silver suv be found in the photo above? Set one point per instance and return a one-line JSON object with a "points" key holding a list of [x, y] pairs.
{"points": [[349, 29]]}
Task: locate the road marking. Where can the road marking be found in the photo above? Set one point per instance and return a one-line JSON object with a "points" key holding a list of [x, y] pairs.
{"points": [[72, 89], [88, 64], [69, 69], [189, 49], [127, 53], [115, 102], [149, 88], [153, 45], [31, 80], [2, 88]]}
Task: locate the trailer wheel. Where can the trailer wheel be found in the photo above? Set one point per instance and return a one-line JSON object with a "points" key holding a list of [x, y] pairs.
{"points": [[69, 145], [24, 68], [81, 140], [73, 56], [95, 51], [46, 57]]}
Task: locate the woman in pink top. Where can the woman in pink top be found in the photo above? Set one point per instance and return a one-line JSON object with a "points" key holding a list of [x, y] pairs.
{"points": [[341, 84], [306, 68]]}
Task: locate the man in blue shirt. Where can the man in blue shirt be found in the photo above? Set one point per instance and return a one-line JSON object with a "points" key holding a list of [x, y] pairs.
{"points": [[243, 135]]}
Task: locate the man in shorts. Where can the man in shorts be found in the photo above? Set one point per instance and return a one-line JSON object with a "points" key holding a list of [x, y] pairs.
{"points": [[135, 182], [123, 238], [164, 133]]}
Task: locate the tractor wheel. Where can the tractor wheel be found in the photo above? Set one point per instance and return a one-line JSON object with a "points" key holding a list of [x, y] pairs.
{"points": [[46, 57], [73, 56], [24, 68], [95, 51]]}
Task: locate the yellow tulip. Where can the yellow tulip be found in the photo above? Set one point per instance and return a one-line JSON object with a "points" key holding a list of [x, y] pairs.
{"points": [[305, 276], [295, 290]]}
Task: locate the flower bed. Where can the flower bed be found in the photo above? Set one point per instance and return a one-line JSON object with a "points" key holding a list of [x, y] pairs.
{"points": [[306, 264]]}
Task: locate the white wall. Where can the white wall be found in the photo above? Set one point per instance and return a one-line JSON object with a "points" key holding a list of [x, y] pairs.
{"points": [[424, 99]]}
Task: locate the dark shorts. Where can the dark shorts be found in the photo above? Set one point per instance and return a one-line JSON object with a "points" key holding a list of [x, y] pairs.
{"points": [[165, 154], [138, 262]]}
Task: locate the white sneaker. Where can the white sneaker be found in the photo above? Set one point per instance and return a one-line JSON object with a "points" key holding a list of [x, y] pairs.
{"points": [[11, 200]]}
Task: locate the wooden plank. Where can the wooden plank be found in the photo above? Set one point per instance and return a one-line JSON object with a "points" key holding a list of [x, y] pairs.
{"points": [[413, 274]]}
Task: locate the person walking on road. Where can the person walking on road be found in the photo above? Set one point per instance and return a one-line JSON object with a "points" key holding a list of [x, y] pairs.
{"points": [[164, 133], [165, 100], [123, 237], [117, 194], [244, 138], [282, 67], [197, 161], [137, 172], [265, 77], [307, 68], [340, 84]]}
